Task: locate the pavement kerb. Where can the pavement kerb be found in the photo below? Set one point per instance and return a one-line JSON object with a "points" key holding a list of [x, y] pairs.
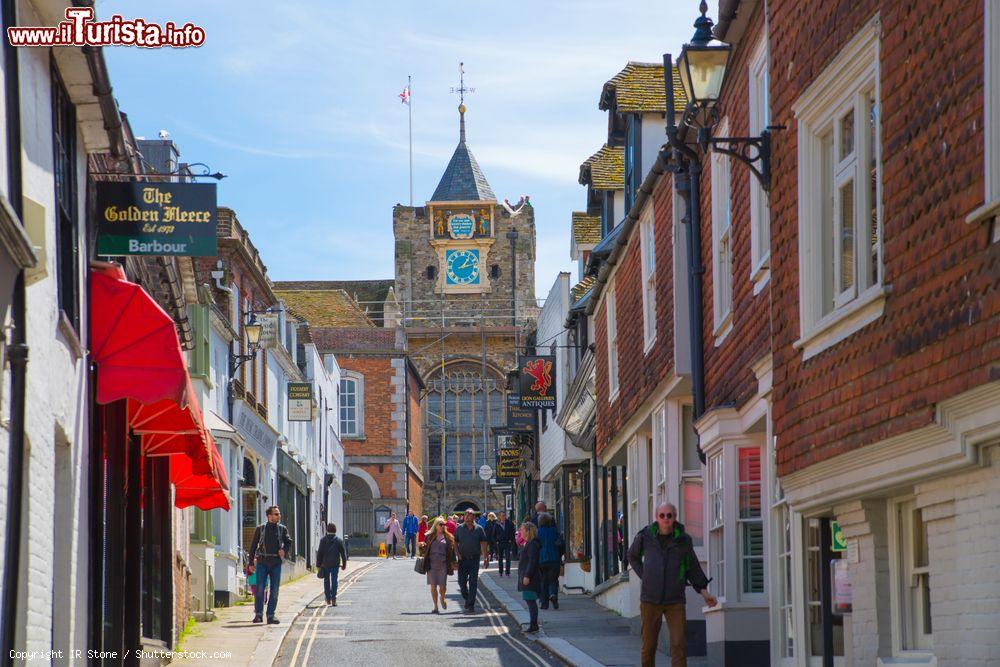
{"points": [[560, 648]]}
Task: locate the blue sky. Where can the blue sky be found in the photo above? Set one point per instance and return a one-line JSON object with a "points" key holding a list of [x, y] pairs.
{"points": [[297, 103]]}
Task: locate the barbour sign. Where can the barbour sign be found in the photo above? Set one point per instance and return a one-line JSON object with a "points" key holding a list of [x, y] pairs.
{"points": [[156, 218]]}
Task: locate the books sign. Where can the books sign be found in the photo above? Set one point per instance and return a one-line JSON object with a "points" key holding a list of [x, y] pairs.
{"points": [[156, 218], [537, 382], [300, 401]]}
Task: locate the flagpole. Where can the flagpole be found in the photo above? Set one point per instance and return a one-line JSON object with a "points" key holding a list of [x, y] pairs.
{"points": [[409, 107]]}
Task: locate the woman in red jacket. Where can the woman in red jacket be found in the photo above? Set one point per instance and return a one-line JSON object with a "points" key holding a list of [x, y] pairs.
{"points": [[421, 529]]}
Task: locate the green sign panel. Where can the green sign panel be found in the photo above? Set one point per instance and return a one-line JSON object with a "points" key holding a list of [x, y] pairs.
{"points": [[837, 541], [156, 218]]}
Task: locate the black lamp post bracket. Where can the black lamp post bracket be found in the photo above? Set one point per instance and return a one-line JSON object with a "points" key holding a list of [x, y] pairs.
{"points": [[754, 152]]}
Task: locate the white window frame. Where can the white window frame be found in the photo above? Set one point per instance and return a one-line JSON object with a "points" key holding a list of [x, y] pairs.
{"points": [[901, 573], [359, 404], [631, 481], [647, 251], [843, 85], [611, 317], [659, 419], [760, 208], [715, 521], [722, 241], [743, 522]]}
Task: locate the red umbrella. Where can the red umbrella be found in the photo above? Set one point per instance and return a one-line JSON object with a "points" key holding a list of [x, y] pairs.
{"points": [[134, 343]]}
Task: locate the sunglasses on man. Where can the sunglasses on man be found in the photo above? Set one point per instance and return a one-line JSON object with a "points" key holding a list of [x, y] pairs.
{"points": [[668, 515]]}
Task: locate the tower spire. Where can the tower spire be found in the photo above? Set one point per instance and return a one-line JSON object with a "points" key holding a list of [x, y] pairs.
{"points": [[461, 90]]}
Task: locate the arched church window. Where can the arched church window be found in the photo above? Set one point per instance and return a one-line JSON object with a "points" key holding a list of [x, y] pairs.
{"points": [[459, 404]]}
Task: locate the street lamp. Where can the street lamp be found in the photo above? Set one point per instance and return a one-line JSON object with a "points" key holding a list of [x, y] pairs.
{"points": [[702, 67], [702, 64], [439, 487], [253, 331]]}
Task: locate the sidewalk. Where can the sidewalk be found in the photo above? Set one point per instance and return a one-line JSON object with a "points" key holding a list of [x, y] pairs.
{"points": [[253, 643], [581, 632]]}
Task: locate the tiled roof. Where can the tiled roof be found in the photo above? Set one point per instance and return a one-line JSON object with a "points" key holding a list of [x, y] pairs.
{"points": [[370, 295], [325, 308], [582, 287], [639, 87], [463, 180], [605, 169], [586, 228]]}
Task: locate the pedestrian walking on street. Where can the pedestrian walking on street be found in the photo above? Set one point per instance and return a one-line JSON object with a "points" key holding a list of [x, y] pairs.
{"points": [[451, 524], [529, 571], [422, 529], [540, 508], [268, 548], [491, 533], [410, 528], [331, 557], [393, 534], [472, 543], [505, 543], [440, 560], [550, 559], [663, 557]]}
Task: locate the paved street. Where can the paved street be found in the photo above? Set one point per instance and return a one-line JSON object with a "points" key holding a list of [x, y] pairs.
{"points": [[384, 611]]}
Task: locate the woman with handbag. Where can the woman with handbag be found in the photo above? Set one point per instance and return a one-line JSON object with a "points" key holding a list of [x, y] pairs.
{"points": [[439, 560], [330, 555]]}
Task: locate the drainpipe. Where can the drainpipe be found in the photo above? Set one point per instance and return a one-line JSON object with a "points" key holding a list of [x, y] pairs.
{"points": [[17, 353], [687, 184]]}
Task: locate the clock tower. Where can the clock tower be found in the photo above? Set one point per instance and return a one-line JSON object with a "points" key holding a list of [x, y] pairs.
{"points": [[465, 282]]}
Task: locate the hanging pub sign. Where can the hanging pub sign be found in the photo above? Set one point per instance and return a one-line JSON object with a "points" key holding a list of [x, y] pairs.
{"points": [[300, 401], [537, 382], [156, 218], [517, 417]]}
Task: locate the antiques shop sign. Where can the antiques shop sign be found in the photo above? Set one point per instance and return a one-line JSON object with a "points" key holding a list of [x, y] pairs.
{"points": [[156, 219], [537, 382]]}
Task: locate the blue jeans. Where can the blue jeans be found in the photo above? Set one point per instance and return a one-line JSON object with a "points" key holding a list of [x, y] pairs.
{"points": [[330, 583], [468, 580], [411, 544], [265, 573]]}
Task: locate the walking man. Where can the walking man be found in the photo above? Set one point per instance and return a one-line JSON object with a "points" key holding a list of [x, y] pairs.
{"points": [[268, 548], [410, 527], [505, 543], [330, 555], [472, 543], [663, 557]]}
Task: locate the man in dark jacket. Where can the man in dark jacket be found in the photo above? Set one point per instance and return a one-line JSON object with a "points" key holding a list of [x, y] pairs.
{"points": [[269, 546], [330, 555], [663, 557], [505, 532]]}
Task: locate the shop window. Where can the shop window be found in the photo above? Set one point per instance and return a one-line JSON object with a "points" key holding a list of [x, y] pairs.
{"points": [[157, 573], [575, 513], [911, 579], [814, 577], [749, 522]]}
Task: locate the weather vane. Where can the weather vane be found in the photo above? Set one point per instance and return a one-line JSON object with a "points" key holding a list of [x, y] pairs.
{"points": [[462, 90]]}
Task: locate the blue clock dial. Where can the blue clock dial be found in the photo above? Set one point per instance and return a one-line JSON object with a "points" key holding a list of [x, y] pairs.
{"points": [[462, 267]]}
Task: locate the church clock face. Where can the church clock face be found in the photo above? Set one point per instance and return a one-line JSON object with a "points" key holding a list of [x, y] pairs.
{"points": [[462, 267]]}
